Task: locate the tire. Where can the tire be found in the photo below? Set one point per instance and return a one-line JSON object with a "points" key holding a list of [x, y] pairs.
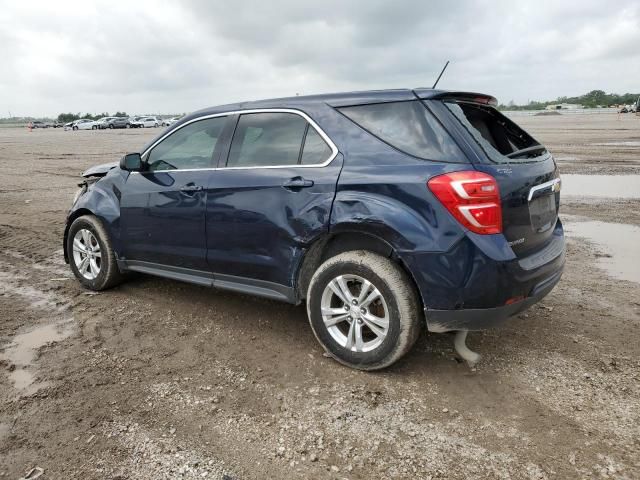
{"points": [[156, 125], [397, 302], [111, 126], [107, 275], [94, 127], [74, 128]]}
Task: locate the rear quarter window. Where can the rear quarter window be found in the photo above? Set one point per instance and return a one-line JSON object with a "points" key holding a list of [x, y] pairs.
{"points": [[502, 140], [408, 127]]}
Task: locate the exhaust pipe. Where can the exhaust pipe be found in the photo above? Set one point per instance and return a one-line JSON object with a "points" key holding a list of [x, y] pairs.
{"points": [[469, 356]]}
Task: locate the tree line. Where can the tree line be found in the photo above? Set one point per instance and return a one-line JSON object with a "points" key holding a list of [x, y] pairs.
{"points": [[593, 99]]}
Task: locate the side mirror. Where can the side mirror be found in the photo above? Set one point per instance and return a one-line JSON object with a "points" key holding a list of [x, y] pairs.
{"points": [[131, 162]]}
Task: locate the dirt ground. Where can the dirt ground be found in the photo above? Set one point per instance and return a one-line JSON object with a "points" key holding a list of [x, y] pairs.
{"points": [[158, 379]]}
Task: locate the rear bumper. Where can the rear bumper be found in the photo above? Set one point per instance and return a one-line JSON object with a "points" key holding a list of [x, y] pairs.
{"points": [[480, 283], [484, 318]]}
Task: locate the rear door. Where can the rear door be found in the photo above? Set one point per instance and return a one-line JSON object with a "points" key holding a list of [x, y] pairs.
{"points": [[525, 171], [271, 196]]}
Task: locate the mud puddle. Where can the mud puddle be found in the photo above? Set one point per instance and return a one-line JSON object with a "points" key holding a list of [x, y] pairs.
{"points": [[21, 354], [601, 186], [618, 242]]}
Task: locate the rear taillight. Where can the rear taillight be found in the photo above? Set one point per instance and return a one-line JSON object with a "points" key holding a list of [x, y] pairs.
{"points": [[472, 198]]}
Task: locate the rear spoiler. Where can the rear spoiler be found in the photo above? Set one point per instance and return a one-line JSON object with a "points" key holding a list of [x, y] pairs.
{"points": [[430, 93]]}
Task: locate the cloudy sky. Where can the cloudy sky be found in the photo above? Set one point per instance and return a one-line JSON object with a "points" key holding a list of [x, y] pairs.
{"points": [[171, 57]]}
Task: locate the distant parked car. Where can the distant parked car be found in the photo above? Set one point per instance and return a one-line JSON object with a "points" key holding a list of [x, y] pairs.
{"points": [[144, 122], [84, 124], [135, 122], [167, 122], [57, 125], [68, 126], [38, 124], [103, 122], [119, 122]]}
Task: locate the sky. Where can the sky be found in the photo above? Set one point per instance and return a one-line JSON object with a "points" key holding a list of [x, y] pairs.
{"points": [[178, 56]]}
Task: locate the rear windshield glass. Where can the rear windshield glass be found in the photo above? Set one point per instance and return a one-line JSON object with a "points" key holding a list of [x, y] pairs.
{"points": [[501, 139], [409, 127]]}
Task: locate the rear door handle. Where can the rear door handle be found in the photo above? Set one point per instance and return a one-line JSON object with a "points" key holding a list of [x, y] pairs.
{"points": [[296, 183], [190, 187]]}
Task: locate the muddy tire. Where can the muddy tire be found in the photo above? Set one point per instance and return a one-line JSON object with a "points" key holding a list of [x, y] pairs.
{"points": [[91, 255], [363, 309]]}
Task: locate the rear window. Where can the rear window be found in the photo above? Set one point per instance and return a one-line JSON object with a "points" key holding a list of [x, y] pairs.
{"points": [[409, 127], [501, 139]]}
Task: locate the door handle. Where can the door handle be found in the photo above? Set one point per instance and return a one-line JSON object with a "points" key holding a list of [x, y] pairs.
{"points": [[190, 187], [296, 183]]}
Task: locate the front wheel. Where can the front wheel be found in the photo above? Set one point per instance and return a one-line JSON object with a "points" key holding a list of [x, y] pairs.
{"points": [[91, 255], [111, 126], [363, 309], [74, 128], [94, 128]]}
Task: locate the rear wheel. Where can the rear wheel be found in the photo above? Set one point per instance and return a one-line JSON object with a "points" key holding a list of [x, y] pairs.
{"points": [[91, 255], [94, 127], [111, 125], [363, 309]]}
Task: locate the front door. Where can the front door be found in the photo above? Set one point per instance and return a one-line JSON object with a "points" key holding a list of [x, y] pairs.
{"points": [[271, 198], [163, 207]]}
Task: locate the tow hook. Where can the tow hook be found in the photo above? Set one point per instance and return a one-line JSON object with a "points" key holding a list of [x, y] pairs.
{"points": [[469, 356]]}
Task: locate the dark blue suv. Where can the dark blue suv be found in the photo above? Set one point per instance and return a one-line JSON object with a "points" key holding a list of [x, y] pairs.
{"points": [[384, 210]]}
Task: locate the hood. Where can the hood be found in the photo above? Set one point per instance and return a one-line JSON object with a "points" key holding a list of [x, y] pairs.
{"points": [[99, 170]]}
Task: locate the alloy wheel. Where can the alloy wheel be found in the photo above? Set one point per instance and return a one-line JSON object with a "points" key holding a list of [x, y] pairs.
{"points": [[355, 313], [86, 254]]}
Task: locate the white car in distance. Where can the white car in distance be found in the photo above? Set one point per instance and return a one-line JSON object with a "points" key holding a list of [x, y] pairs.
{"points": [[144, 122], [167, 122], [84, 124]]}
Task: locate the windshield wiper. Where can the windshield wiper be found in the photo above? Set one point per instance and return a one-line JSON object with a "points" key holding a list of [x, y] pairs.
{"points": [[535, 148]]}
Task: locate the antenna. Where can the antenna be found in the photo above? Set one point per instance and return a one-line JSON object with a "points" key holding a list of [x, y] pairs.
{"points": [[438, 79]]}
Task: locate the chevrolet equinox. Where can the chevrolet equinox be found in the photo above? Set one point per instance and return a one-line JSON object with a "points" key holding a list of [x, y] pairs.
{"points": [[384, 211]]}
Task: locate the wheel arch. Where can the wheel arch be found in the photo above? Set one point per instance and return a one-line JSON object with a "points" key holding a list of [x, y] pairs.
{"points": [[102, 202], [335, 243], [70, 219]]}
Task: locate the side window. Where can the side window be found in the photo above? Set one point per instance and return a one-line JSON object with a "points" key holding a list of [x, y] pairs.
{"points": [[191, 146], [267, 139], [315, 150], [409, 127]]}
